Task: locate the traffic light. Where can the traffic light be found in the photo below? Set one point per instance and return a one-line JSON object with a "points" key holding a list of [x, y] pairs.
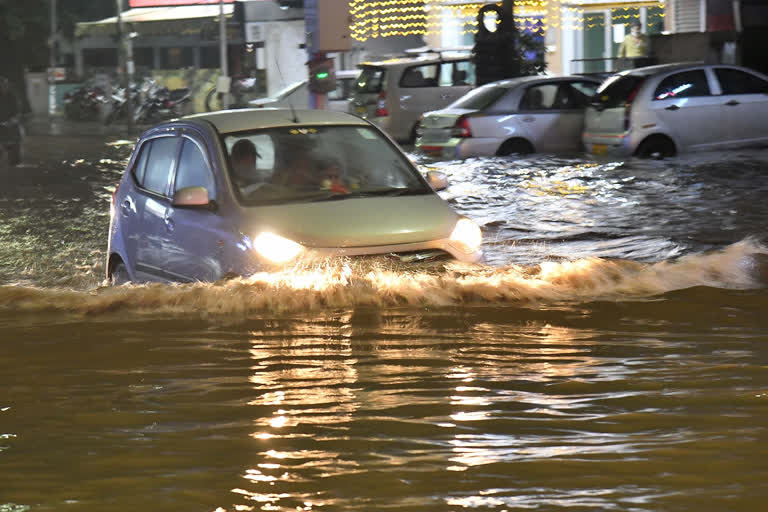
{"points": [[322, 76]]}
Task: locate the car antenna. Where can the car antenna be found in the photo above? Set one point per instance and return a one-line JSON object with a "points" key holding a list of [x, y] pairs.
{"points": [[290, 101]]}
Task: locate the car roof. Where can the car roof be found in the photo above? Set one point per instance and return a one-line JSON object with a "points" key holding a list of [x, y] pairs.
{"points": [[514, 82], [421, 59], [238, 120], [661, 68]]}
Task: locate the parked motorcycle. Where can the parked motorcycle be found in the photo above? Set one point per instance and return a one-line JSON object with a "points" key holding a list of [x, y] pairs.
{"points": [[160, 103], [85, 103], [119, 105]]}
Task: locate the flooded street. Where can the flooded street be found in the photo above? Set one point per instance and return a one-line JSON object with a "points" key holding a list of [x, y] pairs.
{"points": [[610, 354]]}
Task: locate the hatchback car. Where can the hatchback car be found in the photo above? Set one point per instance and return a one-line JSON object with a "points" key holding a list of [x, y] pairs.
{"points": [[393, 93], [673, 108], [520, 115], [233, 192]]}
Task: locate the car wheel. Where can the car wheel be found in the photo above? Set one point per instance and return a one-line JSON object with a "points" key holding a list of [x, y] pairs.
{"points": [[656, 146], [120, 275], [515, 146]]}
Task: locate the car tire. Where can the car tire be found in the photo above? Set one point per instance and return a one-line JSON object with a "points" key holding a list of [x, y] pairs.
{"points": [[515, 146], [656, 146], [120, 275]]}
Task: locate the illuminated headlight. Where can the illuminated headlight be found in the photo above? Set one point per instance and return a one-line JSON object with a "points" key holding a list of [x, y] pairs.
{"points": [[276, 248], [467, 236]]}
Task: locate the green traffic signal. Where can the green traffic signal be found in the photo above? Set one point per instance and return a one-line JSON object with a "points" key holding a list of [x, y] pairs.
{"points": [[322, 75]]}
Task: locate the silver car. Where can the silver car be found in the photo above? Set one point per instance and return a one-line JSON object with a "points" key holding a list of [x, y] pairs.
{"points": [[394, 93], [520, 115], [674, 108], [234, 192]]}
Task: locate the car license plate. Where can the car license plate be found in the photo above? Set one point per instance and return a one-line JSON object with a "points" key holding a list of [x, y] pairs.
{"points": [[599, 149]]}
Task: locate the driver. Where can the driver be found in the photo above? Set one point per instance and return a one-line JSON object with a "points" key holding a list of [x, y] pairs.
{"points": [[243, 157]]}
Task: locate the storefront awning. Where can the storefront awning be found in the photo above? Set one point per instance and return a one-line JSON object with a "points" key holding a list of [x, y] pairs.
{"points": [[156, 20]]}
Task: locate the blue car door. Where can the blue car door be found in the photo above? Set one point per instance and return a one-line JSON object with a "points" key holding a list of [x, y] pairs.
{"points": [[195, 235]]}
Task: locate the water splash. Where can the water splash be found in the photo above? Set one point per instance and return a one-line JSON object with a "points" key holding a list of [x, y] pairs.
{"points": [[345, 284]]}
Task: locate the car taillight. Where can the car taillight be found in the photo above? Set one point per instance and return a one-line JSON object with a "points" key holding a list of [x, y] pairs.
{"points": [[461, 128], [381, 105]]}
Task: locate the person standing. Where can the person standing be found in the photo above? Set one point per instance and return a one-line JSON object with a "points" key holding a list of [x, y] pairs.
{"points": [[635, 44]]}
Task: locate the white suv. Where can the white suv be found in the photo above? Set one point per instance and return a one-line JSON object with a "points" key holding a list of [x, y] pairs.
{"points": [[674, 108], [393, 93]]}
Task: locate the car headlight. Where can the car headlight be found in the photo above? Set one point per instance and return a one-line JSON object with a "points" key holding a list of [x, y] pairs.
{"points": [[275, 248], [466, 236]]}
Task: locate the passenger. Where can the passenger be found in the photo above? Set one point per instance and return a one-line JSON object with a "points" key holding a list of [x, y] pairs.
{"points": [[332, 177], [243, 157], [299, 170]]}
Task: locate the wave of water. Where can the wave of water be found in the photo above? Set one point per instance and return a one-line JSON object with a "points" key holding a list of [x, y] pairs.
{"points": [[743, 265]]}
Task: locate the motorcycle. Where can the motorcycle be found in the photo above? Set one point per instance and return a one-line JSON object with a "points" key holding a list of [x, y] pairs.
{"points": [[160, 103], [11, 142], [84, 103]]}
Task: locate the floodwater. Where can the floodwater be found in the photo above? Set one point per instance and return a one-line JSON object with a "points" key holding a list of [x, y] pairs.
{"points": [[611, 354]]}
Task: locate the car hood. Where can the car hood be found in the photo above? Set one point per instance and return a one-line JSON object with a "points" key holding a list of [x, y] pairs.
{"points": [[356, 222], [445, 118]]}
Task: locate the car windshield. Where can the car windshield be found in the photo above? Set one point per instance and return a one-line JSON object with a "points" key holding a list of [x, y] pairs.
{"points": [[318, 163], [618, 90], [480, 98]]}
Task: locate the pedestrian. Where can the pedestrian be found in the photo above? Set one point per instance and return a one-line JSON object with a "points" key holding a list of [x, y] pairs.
{"points": [[635, 44]]}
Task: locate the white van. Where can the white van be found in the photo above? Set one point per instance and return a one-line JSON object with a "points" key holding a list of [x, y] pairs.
{"points": [[393, 93]]}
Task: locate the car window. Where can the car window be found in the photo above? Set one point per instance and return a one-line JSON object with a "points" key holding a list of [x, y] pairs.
{"points": [[141, 163], [583, 92], [539, 97], [736, 81], [464, 73], [618, 90], [480, 98], [343, 89], [193, 169], [160, 160], [686, 84], [315, 163], [371, 80], [421, 76]]}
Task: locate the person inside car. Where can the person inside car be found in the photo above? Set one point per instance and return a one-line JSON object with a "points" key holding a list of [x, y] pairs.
{"points": [[243, 157]]}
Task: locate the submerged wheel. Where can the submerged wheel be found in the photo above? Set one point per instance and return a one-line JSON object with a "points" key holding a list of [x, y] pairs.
{"points": [[515, 146], [120, 275], [656, 146]]}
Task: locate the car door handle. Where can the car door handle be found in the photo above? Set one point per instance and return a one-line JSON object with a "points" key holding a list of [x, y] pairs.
{"points": [[125, 207], [672, 107], [732, 103]]}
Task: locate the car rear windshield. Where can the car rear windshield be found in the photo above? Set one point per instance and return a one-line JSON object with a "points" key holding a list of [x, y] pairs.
{"points": [[370, 80], [618, 90], [480, 98]]}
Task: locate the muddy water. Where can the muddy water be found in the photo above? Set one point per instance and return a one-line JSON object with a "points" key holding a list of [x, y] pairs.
{"points": [[610, 355]]}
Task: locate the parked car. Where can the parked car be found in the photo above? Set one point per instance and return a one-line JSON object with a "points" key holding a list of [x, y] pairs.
{"points": [[393, 93], [294, 95], [339, 98], [674, 108], [297, 94], [324, 184], [520, 115]]}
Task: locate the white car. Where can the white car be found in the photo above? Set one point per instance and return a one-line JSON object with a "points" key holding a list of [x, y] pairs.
{"points": [[394, 93], [674, 108], [520, 115]]}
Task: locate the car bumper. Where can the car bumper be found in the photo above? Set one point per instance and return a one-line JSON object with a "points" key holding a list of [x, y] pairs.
{"points": [[459, 147], [608, 144]]}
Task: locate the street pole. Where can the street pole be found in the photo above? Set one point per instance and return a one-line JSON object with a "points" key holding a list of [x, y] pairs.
{"points": [[126, 63], [223, 85], [52, 63]]}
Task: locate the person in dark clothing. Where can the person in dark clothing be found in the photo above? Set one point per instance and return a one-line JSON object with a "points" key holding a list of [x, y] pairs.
{"points": [[10, 127]]}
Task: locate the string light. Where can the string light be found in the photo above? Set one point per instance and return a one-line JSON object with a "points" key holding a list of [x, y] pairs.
{"points": [[372, 19]]}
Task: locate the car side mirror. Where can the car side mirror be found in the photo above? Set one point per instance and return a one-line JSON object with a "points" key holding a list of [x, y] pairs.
{"points": [[191, 196], [437, 180]]}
